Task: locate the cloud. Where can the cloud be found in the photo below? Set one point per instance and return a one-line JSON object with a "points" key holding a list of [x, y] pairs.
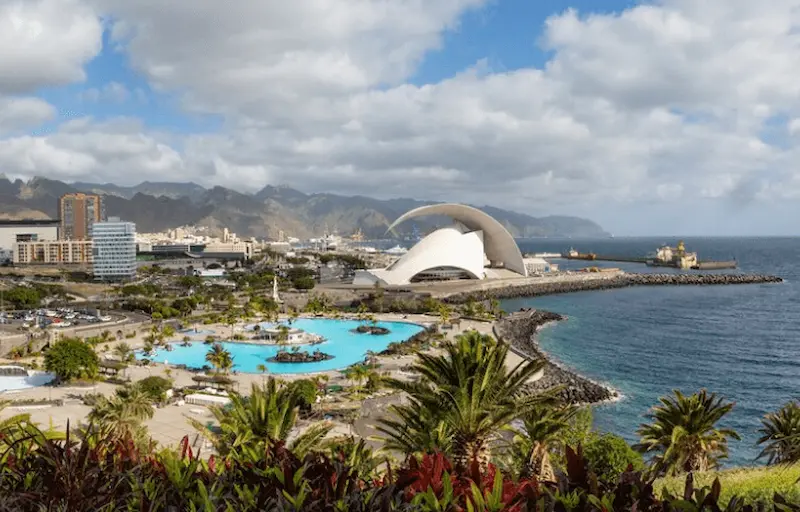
{"points": [[45, 43], [86, 150], [663, 103], [113, 92], [19, 114]]}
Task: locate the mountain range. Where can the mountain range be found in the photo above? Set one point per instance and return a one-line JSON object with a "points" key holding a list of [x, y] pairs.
{"points": [[161, 206]]}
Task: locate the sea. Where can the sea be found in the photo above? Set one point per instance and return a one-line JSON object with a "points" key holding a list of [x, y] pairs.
{"points": [[740, 341]]}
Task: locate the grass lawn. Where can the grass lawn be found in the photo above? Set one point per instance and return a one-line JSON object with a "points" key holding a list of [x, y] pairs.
{"points": [[752, 484]]}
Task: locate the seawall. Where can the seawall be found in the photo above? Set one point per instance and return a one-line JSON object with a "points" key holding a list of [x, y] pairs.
{"points": [[519, 331], [623, 280]]}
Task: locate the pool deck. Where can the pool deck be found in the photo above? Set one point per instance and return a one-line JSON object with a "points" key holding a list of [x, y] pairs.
{"points": [[169, 424]]}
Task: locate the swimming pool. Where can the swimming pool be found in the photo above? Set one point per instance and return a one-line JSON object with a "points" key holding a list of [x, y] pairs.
{"points": [[31, 381], [346, 347]]}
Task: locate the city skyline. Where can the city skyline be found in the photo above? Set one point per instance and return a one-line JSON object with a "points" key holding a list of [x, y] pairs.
{"points": [[646, 117]]}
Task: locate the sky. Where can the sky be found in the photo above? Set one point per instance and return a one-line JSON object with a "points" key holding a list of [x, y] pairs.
{"points": [[650, 117]]}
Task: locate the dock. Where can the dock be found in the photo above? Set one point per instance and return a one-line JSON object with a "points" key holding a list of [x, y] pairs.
{"points": [[665, 256], [598, 257]]}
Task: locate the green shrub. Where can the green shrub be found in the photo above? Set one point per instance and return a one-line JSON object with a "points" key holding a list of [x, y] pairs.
{"points": [[306, 390], [71, 358], [155, 387], [304, 283], [609, 456]]}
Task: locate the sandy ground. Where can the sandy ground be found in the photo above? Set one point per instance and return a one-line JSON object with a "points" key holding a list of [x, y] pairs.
{"points": [[169, 424]]}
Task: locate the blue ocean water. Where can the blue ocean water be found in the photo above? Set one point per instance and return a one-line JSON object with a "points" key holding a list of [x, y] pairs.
{"points": [[740, 341], [345, 346]]}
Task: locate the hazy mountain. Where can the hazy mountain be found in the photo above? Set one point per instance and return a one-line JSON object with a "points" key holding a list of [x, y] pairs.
{"points": [[160, 206], [166, 189]]}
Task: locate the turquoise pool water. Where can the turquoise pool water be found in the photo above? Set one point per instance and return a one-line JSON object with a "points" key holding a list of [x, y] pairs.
{"points": [[346, 347]]}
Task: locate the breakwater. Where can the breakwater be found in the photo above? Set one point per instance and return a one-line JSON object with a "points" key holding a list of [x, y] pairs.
{"points": [[519, 331], [582, 283]]}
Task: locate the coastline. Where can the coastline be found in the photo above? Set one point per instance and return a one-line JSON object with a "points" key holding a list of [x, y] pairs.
{"points": [[520, 331], [511, 290]]}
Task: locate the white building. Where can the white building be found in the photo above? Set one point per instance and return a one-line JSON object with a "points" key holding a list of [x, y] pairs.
{"points": [[475, 246], [13, 231], [114, 251], [539, 265]]}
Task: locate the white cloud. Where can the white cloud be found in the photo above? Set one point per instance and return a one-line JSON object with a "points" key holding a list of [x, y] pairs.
{"points": [[45, 43], [85, 150], [18, 114], [114, 92], [662, 103]]}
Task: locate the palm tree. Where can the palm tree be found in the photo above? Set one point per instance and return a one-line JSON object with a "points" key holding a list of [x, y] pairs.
{"points": [[262, 368], [167, 331], [226, 362], [465, 396], [231, 317], [781, 433], [123, 414], [283, 335], [124, 352], [248, 425], [445, 312], [531, 444], [683, 433], [358, 373], [218, 357], [148, 347]]}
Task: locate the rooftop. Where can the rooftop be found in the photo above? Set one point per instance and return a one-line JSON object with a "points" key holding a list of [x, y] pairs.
{"points": [[30, 222]]}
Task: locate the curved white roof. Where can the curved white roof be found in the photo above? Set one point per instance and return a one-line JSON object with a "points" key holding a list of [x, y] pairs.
{"points": [[447, 247], [499, 245]]}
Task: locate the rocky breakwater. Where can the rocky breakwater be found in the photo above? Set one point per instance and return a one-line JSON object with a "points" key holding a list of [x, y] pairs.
{"points": [[589, 281], [519, 331]]}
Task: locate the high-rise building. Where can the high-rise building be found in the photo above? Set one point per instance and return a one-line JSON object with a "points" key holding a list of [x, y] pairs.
{"points": [[113, 249], [78, 212]]}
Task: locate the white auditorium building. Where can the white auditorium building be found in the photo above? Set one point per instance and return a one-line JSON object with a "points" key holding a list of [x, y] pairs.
{"points": [[474, 246]]}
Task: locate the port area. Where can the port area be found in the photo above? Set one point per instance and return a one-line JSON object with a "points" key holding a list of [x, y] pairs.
{"points": [[700, 265], [665, 256]]}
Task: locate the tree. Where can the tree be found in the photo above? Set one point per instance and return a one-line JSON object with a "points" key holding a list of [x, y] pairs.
{"points": [[262, 368], [125, 353], [464, 395], [283, 335], [304, 283], [358, 373], [445, 312], [532, 444], [231, 317], [219, 358], [167, 331], [71, 358], [249, 424], [781, 434], [155, 387], [683, 433], [609, 456], [122, 415], [23, 297], [379, 296]]}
